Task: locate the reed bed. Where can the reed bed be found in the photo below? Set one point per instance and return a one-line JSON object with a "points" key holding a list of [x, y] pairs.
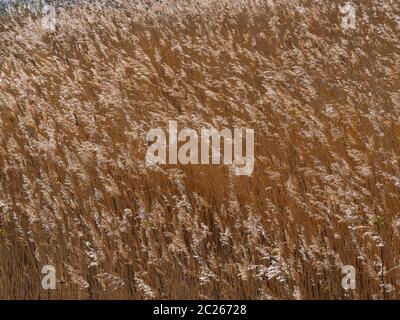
{"points": [[75, 106]]}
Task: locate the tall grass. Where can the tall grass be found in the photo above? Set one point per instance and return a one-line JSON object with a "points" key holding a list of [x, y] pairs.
{"points": [[75, 106]]}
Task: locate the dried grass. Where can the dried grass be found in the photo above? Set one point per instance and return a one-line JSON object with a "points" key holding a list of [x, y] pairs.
{"points": [[75, 106]]}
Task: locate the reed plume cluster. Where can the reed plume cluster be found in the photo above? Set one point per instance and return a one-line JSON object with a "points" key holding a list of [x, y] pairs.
{"points": [[324, 102]]}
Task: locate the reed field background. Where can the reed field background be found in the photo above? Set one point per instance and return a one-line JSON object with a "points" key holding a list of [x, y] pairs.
{"points": [[324, 103]]}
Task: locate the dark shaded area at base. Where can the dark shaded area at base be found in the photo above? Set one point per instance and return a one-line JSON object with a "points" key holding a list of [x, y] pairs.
{"points": [[255, 309]]}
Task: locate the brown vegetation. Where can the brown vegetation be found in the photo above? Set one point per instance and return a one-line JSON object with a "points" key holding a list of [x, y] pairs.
{"points": [[75, 106]]}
